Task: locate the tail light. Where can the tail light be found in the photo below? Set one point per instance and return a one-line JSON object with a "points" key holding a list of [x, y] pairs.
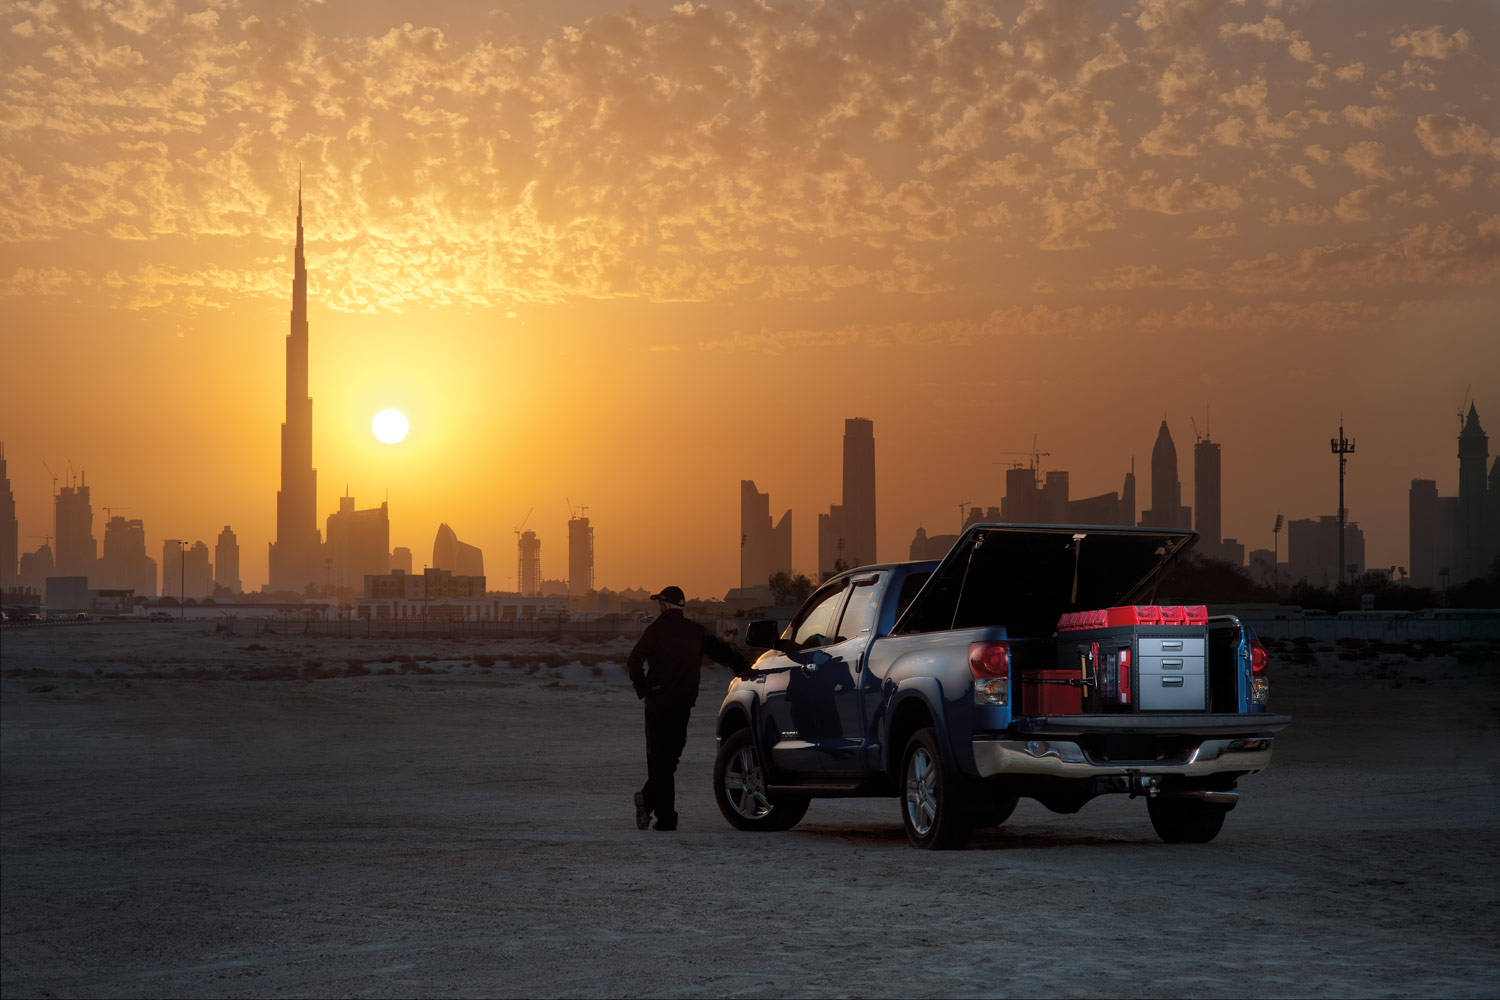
{"points": [[989, 663], [1260, 682]]}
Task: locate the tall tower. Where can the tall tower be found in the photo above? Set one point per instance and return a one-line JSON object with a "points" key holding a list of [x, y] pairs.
{"points": [[1206, 495], [1469, 534], [580, 556], [77, 550], [529, 564], [227, 561], [10, 531], [294, 554], [1166, 510], [859, 491]]}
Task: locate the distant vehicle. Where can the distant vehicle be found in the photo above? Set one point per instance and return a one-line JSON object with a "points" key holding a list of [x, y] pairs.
{"points": [[82, 616], [32, 618], [643, 619], [1019, 666], [159, 616]]}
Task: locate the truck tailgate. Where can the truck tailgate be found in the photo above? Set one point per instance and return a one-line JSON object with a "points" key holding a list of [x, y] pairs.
{"points": [[1198, 723]]}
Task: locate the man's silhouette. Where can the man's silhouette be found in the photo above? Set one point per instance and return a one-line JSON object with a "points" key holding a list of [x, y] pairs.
{"points": [[665, 667]]}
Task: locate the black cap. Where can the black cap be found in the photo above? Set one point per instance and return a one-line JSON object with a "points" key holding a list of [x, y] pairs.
{"points": [[672, 595]]}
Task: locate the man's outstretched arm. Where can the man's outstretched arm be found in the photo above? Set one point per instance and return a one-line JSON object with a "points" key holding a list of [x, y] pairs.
{"points": [[719, 651]]}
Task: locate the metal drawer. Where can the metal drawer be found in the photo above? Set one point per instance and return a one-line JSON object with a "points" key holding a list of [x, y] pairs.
{"points": [[1166, 693], [1177, 665], [1169, 646]]}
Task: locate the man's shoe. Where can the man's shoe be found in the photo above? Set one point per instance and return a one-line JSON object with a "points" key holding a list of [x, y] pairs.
{"points": [[642, 814]]}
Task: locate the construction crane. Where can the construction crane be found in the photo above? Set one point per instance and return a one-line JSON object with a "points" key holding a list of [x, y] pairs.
{"points": [[109, 511], [1035, 456], [581, 509], [53, 475], [523, 522]]}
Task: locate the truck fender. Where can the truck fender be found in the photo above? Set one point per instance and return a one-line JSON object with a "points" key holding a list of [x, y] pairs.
{"points": [[911, 692], [741, 710]]}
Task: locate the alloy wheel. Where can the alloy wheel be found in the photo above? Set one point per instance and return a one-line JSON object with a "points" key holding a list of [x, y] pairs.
{"points": [[921, 792]]}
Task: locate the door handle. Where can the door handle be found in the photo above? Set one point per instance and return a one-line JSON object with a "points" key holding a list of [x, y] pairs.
{"points": [[809, 668], [1171, 682]]}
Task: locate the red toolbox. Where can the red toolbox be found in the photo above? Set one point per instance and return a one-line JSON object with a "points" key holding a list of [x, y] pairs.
{"points": [[1051, 692], [1145, 658]]}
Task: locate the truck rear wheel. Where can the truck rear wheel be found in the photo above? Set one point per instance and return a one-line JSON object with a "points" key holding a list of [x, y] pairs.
{"points": [[740, 789], [934, 809], [1186, 821]]}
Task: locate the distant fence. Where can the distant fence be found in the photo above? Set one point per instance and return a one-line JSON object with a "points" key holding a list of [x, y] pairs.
{"points": [[394, 628]]}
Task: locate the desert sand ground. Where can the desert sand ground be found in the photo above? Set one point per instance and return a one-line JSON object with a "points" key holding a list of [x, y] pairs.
{"points": [[189, 813]]}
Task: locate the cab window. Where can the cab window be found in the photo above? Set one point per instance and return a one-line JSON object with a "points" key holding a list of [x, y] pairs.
{"points": [[815, 626], [859, 613]]}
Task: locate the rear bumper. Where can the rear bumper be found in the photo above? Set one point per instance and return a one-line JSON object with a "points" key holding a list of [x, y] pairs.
{"points": [[1067, 759]]}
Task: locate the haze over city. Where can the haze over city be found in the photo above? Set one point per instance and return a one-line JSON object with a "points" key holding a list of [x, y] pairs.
{"points": [[630, 256]]}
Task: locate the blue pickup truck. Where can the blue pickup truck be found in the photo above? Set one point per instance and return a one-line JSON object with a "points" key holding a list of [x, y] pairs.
{"points": [[1031, 661]]}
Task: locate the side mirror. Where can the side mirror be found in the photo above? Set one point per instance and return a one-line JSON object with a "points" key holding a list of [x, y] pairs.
{"points": [[762, 634]]}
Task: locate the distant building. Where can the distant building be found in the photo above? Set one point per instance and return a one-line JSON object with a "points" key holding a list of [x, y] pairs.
{"points": [[528, 564], [1431, 521], [1166, 510], [846, 534], [1206, 498], [401, 559], [1312, 551], [1026, 502], [432, 584], [358, 544], [35, 568], [456, 557], [77, 550], [580, 556], [227, 561], [68, 593], [925, 546], [1476, 528], [181, 562], [10, 531], [765, 550], [296, 558], [124, 564], [1263, 566]]}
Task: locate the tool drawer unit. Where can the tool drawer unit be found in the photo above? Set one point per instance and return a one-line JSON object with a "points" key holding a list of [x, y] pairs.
{"points": [[1141, 658]]}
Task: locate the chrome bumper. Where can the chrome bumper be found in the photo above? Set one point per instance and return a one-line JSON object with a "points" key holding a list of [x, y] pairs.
{"points": [[1059, 759]]}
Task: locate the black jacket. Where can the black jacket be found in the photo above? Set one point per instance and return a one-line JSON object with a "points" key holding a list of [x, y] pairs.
{"points": [[673, 647]]}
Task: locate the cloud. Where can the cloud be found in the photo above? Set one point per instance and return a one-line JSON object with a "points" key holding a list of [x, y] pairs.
{"points": [[1431, 43], [1180, 196], [1223, 230], [1452, 135], [1364, 159]]}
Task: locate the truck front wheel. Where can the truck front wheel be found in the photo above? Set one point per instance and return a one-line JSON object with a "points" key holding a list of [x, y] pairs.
{"points": [[934, 810], [1186, 821], [740, 789]]}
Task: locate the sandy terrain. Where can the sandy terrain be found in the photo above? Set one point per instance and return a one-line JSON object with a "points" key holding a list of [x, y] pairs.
{"points": [[184, 815]]}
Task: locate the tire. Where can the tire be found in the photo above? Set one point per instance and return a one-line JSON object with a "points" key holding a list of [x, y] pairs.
{"points": [[936, 813], [740, 789], [1186, 821]]}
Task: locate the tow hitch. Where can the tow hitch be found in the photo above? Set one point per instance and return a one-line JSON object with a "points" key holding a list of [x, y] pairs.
{"points": [[1144, 784]]}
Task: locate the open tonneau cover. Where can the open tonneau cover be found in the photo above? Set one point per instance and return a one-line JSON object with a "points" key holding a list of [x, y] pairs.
{"points": [[1025, 576]]}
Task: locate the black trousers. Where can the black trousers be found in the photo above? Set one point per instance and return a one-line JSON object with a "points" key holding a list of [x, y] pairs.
{"points": [[666, 735]]}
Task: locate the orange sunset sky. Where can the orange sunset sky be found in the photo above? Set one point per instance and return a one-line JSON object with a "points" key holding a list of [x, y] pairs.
{"points": [[632, 254]]}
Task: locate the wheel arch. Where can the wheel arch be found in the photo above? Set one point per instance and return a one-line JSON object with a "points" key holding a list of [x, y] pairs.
{"points": [[911, 710]]}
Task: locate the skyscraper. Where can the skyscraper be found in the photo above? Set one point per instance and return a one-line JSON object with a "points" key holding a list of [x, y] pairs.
{"points": [[401, 559], [846, 534], [580, 556], [359, 544], [529, 564], [10, 531], [295, 555], [1471, 554], [859, 491], [124, 564], [185, 570], [765, 550], [77, 550], [458, 558], [1206, 494], [1166, 510], [227, 561]]}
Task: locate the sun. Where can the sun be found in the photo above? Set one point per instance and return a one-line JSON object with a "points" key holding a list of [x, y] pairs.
{"points": [[390, 426]]}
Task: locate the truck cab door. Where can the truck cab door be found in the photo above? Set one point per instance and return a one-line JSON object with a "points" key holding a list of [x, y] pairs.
{"points": [[796, 716], [843, 681]]}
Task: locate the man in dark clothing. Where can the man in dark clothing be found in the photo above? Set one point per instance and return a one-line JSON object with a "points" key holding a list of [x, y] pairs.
{"points": [[673, 648]]}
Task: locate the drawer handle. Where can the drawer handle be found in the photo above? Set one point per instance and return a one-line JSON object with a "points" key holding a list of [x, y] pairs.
{"points": [[1169, 644], [1171, 682], [1172, 663]]}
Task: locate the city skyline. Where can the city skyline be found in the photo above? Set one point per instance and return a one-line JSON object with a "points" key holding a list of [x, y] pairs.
{"points": [[1077, 226]]}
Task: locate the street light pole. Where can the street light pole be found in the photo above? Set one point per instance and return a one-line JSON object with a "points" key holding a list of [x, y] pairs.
{"points": [[181, 580], [1276, 557]]}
